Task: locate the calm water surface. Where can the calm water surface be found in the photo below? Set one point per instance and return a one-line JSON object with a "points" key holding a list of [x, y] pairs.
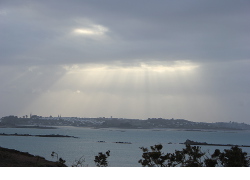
{"points": [[122, 155]]}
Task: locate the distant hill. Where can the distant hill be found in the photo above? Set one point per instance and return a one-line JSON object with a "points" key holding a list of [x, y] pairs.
{"points": [[35, 121]]}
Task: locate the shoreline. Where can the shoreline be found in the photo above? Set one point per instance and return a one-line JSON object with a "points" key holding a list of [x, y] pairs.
{"points": [[194, 143]]}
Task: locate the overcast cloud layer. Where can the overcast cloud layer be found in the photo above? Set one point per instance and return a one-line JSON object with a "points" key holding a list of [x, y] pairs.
{"points": [[136, 59]]}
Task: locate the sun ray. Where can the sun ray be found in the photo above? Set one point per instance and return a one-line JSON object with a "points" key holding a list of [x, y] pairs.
{"points": [[105, 90]]}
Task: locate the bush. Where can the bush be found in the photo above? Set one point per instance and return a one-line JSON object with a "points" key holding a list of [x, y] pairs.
{"points": [[101, 159], [192, 156]]}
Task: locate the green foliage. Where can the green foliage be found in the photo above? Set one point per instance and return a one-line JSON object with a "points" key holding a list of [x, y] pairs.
{"points": [[192, 156], [101, 159]]}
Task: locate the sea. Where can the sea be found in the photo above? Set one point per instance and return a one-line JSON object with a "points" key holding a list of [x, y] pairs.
{"points": [[91, 141]]}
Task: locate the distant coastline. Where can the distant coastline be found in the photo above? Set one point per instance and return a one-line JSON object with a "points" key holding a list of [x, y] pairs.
{"points": [[30, 126], [40, 122]]}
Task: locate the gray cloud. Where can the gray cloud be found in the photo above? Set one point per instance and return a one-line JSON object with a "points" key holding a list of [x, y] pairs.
{"points": [[164, 30], [42, 40]]}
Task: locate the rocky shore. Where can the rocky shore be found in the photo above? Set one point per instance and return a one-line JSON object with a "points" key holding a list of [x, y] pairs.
{"points": [[49, 135], [189, 142]]}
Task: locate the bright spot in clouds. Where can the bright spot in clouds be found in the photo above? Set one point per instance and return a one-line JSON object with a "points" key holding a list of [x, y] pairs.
{"points": [[176, 66], [94, 30]]}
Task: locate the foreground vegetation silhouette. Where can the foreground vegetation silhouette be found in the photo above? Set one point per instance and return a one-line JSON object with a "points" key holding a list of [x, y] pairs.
{"points": [[101, 159], [60, 160], [192, 156]]}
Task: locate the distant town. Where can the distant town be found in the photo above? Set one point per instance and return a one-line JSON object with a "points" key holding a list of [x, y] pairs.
{"points": [[35, 121]]}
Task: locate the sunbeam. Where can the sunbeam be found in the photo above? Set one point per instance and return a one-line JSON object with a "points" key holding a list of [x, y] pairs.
{"points": [[141, 91]]}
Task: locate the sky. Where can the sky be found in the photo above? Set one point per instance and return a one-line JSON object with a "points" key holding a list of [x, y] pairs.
{"points": [[185, 59]]}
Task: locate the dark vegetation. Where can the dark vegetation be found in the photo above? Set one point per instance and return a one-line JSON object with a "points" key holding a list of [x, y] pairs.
{"points": [[60, 160], [101, 159], [192, 156]]}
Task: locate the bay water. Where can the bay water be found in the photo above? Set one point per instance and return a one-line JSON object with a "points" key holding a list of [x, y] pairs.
{"points": [[121, 154]]}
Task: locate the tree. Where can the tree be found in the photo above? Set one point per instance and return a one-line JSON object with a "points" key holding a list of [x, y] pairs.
{"points": [[188, 157], [192, 156], [153, 158], [101, 159], [233, 157]]}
